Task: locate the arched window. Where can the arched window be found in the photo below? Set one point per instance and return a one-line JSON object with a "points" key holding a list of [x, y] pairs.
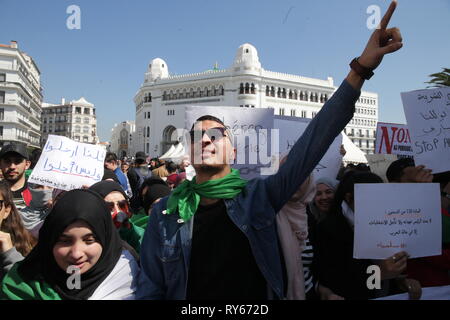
{"points": [[191, 93], [215, 91], [168, 135], [252, 89], [164, 96], [295, 95], [222, 91], [241, 88], [284, 92], [272, 91], [207, 92], [247, 88], [177, 94], [267, 91], [279, 93], [148, 132], [199, 92], [290, 95], [123, 136]]}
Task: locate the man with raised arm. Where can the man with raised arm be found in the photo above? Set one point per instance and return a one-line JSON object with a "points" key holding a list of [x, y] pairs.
{"points": [[215, 237]]}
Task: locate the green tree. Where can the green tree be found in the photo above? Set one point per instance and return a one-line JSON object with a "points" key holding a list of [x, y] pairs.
{"points": [[441, 79]]}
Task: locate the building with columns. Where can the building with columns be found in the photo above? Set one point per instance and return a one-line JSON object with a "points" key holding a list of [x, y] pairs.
{"points": [[122, 137], [20, 97], [245, 83], [75, 120]]}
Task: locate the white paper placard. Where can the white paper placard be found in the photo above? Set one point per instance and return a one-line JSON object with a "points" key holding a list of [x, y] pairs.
{"points": [[394, 217], [291, 130], [428, 293], [66, 164], [428, 116]]}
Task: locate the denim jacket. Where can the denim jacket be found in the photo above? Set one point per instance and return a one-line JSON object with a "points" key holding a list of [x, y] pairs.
{"points": [[166, 247]]}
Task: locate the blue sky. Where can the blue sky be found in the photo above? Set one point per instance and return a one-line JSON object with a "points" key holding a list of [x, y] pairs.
{"points": [[106, 60]]}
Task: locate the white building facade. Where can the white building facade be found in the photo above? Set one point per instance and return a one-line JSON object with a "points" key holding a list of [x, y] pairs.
{"points": [[75, 120], [20, 97], [160, 100], [122, 137]]}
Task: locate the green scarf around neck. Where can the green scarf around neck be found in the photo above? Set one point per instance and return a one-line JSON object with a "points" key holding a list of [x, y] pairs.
{"points": [[186, 197], [13, 287]]}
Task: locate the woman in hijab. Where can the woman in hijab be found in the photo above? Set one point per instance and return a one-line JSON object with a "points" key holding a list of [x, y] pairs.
{"points": [[117, 202], [79, 256]]}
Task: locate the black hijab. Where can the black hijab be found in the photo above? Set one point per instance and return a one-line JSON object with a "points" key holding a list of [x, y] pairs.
{"points": [[73, 206], [105, 187]]}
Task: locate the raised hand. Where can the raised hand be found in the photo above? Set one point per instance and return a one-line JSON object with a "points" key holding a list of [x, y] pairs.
{"points": [[382, 41], [5, 242]]}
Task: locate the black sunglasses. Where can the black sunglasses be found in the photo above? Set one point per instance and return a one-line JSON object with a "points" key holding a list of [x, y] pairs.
{"points": [[123, 205], [215, 133]]}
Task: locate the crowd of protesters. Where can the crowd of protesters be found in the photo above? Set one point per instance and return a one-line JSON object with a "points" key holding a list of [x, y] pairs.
{"points": [[149, 230]]}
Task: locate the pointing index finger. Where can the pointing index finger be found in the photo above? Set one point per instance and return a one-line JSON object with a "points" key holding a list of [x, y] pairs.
{"points": [[387, 16]]}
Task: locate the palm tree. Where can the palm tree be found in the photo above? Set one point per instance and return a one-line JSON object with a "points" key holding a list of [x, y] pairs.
{"points": [[441, 79]]}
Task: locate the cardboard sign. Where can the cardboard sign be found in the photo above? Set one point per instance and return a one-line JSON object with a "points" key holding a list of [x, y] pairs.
{"points": [[66, 164], [428, 116], [393, 138], [379, 163], [394, 217]]}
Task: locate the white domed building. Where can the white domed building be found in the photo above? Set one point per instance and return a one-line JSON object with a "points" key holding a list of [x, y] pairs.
{"points": [[161, 98]]}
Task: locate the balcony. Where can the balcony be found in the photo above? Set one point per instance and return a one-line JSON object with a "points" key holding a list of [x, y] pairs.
{"points": [[23, 139], [23, 122]]}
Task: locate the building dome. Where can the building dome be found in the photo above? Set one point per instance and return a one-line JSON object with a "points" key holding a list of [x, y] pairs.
{"points": [[247, 55], [157, 69]]}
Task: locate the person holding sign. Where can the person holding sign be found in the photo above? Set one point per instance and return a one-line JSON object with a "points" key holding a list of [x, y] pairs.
{"points": [[215, 237], [336, 268]]}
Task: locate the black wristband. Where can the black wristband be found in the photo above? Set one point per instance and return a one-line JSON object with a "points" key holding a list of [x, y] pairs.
{"points": [[364, 72]]}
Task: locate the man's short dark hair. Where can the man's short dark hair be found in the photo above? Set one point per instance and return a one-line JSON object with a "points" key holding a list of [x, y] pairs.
{"points": [[210, 118], [171, 167], [395, 171], [110, 157]]}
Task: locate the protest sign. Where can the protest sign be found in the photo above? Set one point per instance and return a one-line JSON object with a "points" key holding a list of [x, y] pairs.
{"points": [[394, 217], [428, 293], [379, 163], [393, 138], [66, 164], [290, 129], [428, 116], [251, 131]]}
